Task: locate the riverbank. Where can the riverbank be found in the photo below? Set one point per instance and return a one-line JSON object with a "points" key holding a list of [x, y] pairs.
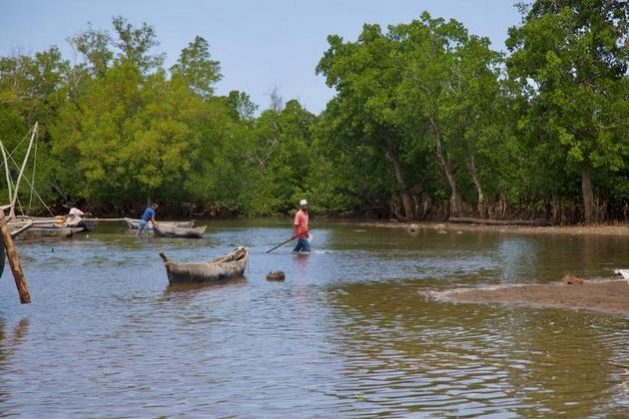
{"points": [[593, 230], [608, 296]]}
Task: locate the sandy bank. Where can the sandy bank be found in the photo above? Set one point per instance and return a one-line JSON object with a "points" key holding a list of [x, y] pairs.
{"points": [[604, 296]]}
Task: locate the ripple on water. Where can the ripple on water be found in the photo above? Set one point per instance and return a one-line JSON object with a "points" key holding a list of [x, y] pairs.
{"points": [[347, 334]]}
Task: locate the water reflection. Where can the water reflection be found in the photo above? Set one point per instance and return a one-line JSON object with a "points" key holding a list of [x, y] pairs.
{"points": [[8, 347], [398, 360], [301, 265], [403, 354], [10, 344], [517, 255], [561, 358], [192, 287]]}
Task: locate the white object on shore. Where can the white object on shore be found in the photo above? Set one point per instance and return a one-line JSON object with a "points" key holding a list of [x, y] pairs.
{"points": [[623, 272]]}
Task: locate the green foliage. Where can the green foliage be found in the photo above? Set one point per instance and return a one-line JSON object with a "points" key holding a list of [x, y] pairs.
{"points": [[242, 107], [196, 67], [426, 121], [94, 45], [135, 45], [570, 60]]}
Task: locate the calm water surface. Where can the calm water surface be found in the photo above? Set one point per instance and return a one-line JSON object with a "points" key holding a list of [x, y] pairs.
{"points": [[350, 333]]}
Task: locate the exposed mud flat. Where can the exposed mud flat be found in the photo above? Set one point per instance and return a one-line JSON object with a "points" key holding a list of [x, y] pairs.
{"points": [[607, 296], [593, 230]]}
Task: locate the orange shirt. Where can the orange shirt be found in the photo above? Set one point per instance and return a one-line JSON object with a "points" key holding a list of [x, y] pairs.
{"points": [[300, 226]]}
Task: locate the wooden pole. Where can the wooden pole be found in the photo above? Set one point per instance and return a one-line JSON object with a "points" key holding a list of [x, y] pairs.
{"points": [[19, 177], [25, 227], [7, 172], [281, 244], [14, 261]]}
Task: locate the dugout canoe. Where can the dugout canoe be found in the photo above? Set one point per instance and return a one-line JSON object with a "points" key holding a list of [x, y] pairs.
{"points": [[38, 231], [232, 265], [183, 232], [51, 223], [40, 222], [133, 224]]}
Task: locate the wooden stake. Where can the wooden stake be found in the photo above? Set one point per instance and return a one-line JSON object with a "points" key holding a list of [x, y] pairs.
{"points": [[14, 261]]}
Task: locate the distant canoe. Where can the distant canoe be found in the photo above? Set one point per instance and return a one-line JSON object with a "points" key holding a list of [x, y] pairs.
{"points": [[182, 232], [134, 224], [226, 267], [54, 231], [45, 223]]}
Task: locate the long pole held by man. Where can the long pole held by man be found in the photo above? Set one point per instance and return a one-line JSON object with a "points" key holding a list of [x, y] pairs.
{"points": [[300, 230]]}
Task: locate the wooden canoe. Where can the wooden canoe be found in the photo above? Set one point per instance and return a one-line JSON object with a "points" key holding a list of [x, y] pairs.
{"points": [[226, 267], [38, 227], [55, 231], [183, 232], [134, 224], [47, 223]]}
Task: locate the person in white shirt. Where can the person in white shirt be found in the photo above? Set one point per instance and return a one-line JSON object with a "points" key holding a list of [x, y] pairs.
{"points": [[75, 218]]}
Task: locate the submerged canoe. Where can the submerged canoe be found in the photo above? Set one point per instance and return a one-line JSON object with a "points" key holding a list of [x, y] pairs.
{"points": [[226, 267], [134, 224], [184, 232], [53, 231]]}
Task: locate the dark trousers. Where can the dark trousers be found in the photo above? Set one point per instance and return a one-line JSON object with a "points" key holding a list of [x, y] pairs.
{"points": [[303, 245]]}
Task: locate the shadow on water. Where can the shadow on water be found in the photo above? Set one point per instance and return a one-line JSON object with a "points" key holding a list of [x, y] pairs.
{"points": [[198, 286]]}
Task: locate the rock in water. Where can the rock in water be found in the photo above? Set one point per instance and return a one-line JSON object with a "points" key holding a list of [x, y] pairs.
{"points": [[275, 276], [412, 229]]}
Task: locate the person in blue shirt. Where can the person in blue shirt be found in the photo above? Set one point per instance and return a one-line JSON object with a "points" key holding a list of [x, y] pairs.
{"points": [[147, 216]]}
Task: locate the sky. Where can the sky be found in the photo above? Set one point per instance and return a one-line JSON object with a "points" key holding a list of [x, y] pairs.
{"points": [[261, 45]]}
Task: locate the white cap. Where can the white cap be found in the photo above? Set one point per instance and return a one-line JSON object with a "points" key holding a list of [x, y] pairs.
{"points": [[303, 202]]}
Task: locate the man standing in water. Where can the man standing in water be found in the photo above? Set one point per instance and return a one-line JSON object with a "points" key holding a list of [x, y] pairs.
{"points": [[147, 215], [300, 228]]}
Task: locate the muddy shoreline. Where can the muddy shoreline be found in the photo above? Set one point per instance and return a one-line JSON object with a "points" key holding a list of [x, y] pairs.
{"points": [[606, 296], [580, 230], [609, 295]]}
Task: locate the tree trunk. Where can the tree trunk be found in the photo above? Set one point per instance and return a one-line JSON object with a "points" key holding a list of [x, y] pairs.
{"points": [[554, 204], [586, 190], [407, 201], [455, 197], [479, 188]]}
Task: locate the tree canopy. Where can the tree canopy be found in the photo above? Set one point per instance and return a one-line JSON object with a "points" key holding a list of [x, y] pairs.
{"points": [[427, 122]]}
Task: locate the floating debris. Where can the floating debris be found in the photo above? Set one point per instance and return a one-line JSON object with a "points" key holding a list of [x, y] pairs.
{"points": [[569, 279]]}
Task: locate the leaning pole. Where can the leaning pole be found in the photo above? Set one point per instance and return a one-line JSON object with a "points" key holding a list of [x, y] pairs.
{"points": [[14, 261]]}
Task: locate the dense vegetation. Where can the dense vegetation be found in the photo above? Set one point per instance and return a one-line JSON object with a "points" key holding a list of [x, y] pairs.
{"points": [[427, 122]]}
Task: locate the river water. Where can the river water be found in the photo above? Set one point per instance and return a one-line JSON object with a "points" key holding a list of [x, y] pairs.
{"points": [[350, 333]]}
